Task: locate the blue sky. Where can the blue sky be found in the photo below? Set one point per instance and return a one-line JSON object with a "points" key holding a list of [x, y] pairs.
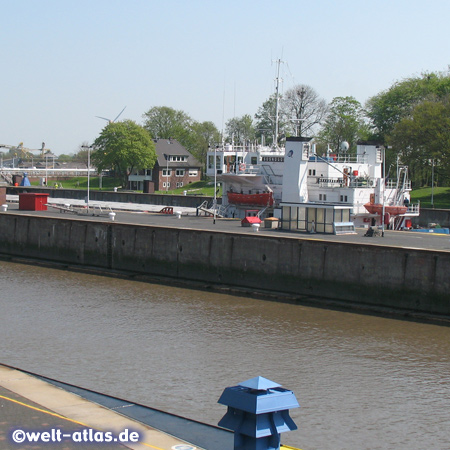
{"points": [[64, 62]]}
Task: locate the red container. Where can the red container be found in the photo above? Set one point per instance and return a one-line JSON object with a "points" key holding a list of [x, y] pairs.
{"points": [[33, 201]]}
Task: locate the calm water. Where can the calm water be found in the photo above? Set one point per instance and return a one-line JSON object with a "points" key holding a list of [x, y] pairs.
{"points": [[362, 382]]}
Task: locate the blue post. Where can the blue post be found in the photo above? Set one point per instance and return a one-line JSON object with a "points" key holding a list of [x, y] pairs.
{"points": [[258, 411]]}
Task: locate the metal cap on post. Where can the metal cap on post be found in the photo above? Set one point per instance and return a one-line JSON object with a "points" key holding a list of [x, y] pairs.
{"points": [[258, 411]]}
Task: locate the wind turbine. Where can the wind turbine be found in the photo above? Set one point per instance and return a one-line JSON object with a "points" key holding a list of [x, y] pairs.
{"points": [[112, 121]]}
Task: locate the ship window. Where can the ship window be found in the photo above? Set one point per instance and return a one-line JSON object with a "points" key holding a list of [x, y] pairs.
{"points": [[254, 160]]}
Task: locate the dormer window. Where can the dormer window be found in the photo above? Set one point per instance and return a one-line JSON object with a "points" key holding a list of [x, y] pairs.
{"points": [[178, 158]]}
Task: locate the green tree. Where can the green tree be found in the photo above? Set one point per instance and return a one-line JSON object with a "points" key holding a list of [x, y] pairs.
{"points": [[422, 140], [389, 107], [202, 136], [240, 129], [344, 122], [163, 122], [123, 147]]}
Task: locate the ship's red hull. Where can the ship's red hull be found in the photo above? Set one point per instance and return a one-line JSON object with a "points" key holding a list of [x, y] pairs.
{"points": [[264, 199]]}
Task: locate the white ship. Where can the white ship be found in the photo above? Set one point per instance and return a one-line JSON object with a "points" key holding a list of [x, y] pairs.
{"points": [[311, 192]]}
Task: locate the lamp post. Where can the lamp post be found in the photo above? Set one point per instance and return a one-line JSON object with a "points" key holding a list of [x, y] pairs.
{"points": [[215, 184], [167, 172], [432, 183], [88, 147], [383, 149], [46, 170]]}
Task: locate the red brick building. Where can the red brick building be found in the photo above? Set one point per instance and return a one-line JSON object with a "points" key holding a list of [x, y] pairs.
{"points": [[174, 168]]}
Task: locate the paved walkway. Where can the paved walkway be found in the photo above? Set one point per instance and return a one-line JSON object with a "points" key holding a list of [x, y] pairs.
{"points": [[28, 404], [143, 214]]}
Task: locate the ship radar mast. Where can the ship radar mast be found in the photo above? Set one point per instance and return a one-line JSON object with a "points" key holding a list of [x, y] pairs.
{"points": [[277, 98]]}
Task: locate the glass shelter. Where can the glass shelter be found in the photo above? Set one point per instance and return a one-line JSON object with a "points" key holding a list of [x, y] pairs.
{"points": [[317, 218]]}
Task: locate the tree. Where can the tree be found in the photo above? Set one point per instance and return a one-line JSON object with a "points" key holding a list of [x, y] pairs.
{"points": [[163, 122], [344, 122], [302, 107], [123, 147], [422, 140], [203, 135], [265, 120], [389, 107], [240, 129]]}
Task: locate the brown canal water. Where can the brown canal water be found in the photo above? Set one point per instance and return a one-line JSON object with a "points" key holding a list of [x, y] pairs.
{"points": [[363, 382]]}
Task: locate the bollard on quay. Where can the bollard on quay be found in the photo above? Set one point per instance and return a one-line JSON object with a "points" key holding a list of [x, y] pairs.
{"points": [[258, 411]]}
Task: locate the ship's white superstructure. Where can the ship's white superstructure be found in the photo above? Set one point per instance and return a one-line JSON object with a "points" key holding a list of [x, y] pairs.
{"points": [[306, 189]]}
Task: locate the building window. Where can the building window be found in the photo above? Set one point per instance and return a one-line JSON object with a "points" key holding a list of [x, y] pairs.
{"points": [[167, 172], [178, 158], [179, 172], [179, 184], [193, 173]]}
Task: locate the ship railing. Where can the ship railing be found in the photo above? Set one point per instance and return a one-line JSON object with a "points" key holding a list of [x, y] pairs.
{"points": [[342, 182], [336, 158], [413, 209], [242, 169], [394, 184]]}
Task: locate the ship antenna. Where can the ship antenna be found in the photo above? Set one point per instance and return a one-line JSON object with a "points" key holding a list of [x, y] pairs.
{"points": [[277, 89]]}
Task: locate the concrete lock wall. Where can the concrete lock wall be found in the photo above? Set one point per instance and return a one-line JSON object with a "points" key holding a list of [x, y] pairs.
{"points": [[415, 280]]}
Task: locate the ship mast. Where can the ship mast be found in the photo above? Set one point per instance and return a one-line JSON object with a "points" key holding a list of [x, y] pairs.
{"points": [[277, 88]]}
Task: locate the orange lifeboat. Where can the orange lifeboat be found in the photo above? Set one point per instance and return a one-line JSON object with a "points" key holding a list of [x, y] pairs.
{"points": [[393, 210]]}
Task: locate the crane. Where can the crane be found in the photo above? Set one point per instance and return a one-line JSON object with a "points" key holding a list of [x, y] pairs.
{"points": [[25, 152]]}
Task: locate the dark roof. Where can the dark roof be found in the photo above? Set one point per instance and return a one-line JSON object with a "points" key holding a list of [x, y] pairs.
{"points": [[376, 143], [171, 147], [298, 139]]}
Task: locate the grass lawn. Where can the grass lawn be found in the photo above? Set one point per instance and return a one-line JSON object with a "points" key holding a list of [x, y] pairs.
{"points": [[108, 184], [198, 188], [441, 197]]}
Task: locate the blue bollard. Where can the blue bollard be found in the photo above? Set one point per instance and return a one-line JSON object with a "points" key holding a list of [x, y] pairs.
{"points": [[258, 411]]}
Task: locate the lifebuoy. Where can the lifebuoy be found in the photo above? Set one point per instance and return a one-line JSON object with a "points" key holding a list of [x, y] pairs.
{"points": [[242, 167], [366, 219]]}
